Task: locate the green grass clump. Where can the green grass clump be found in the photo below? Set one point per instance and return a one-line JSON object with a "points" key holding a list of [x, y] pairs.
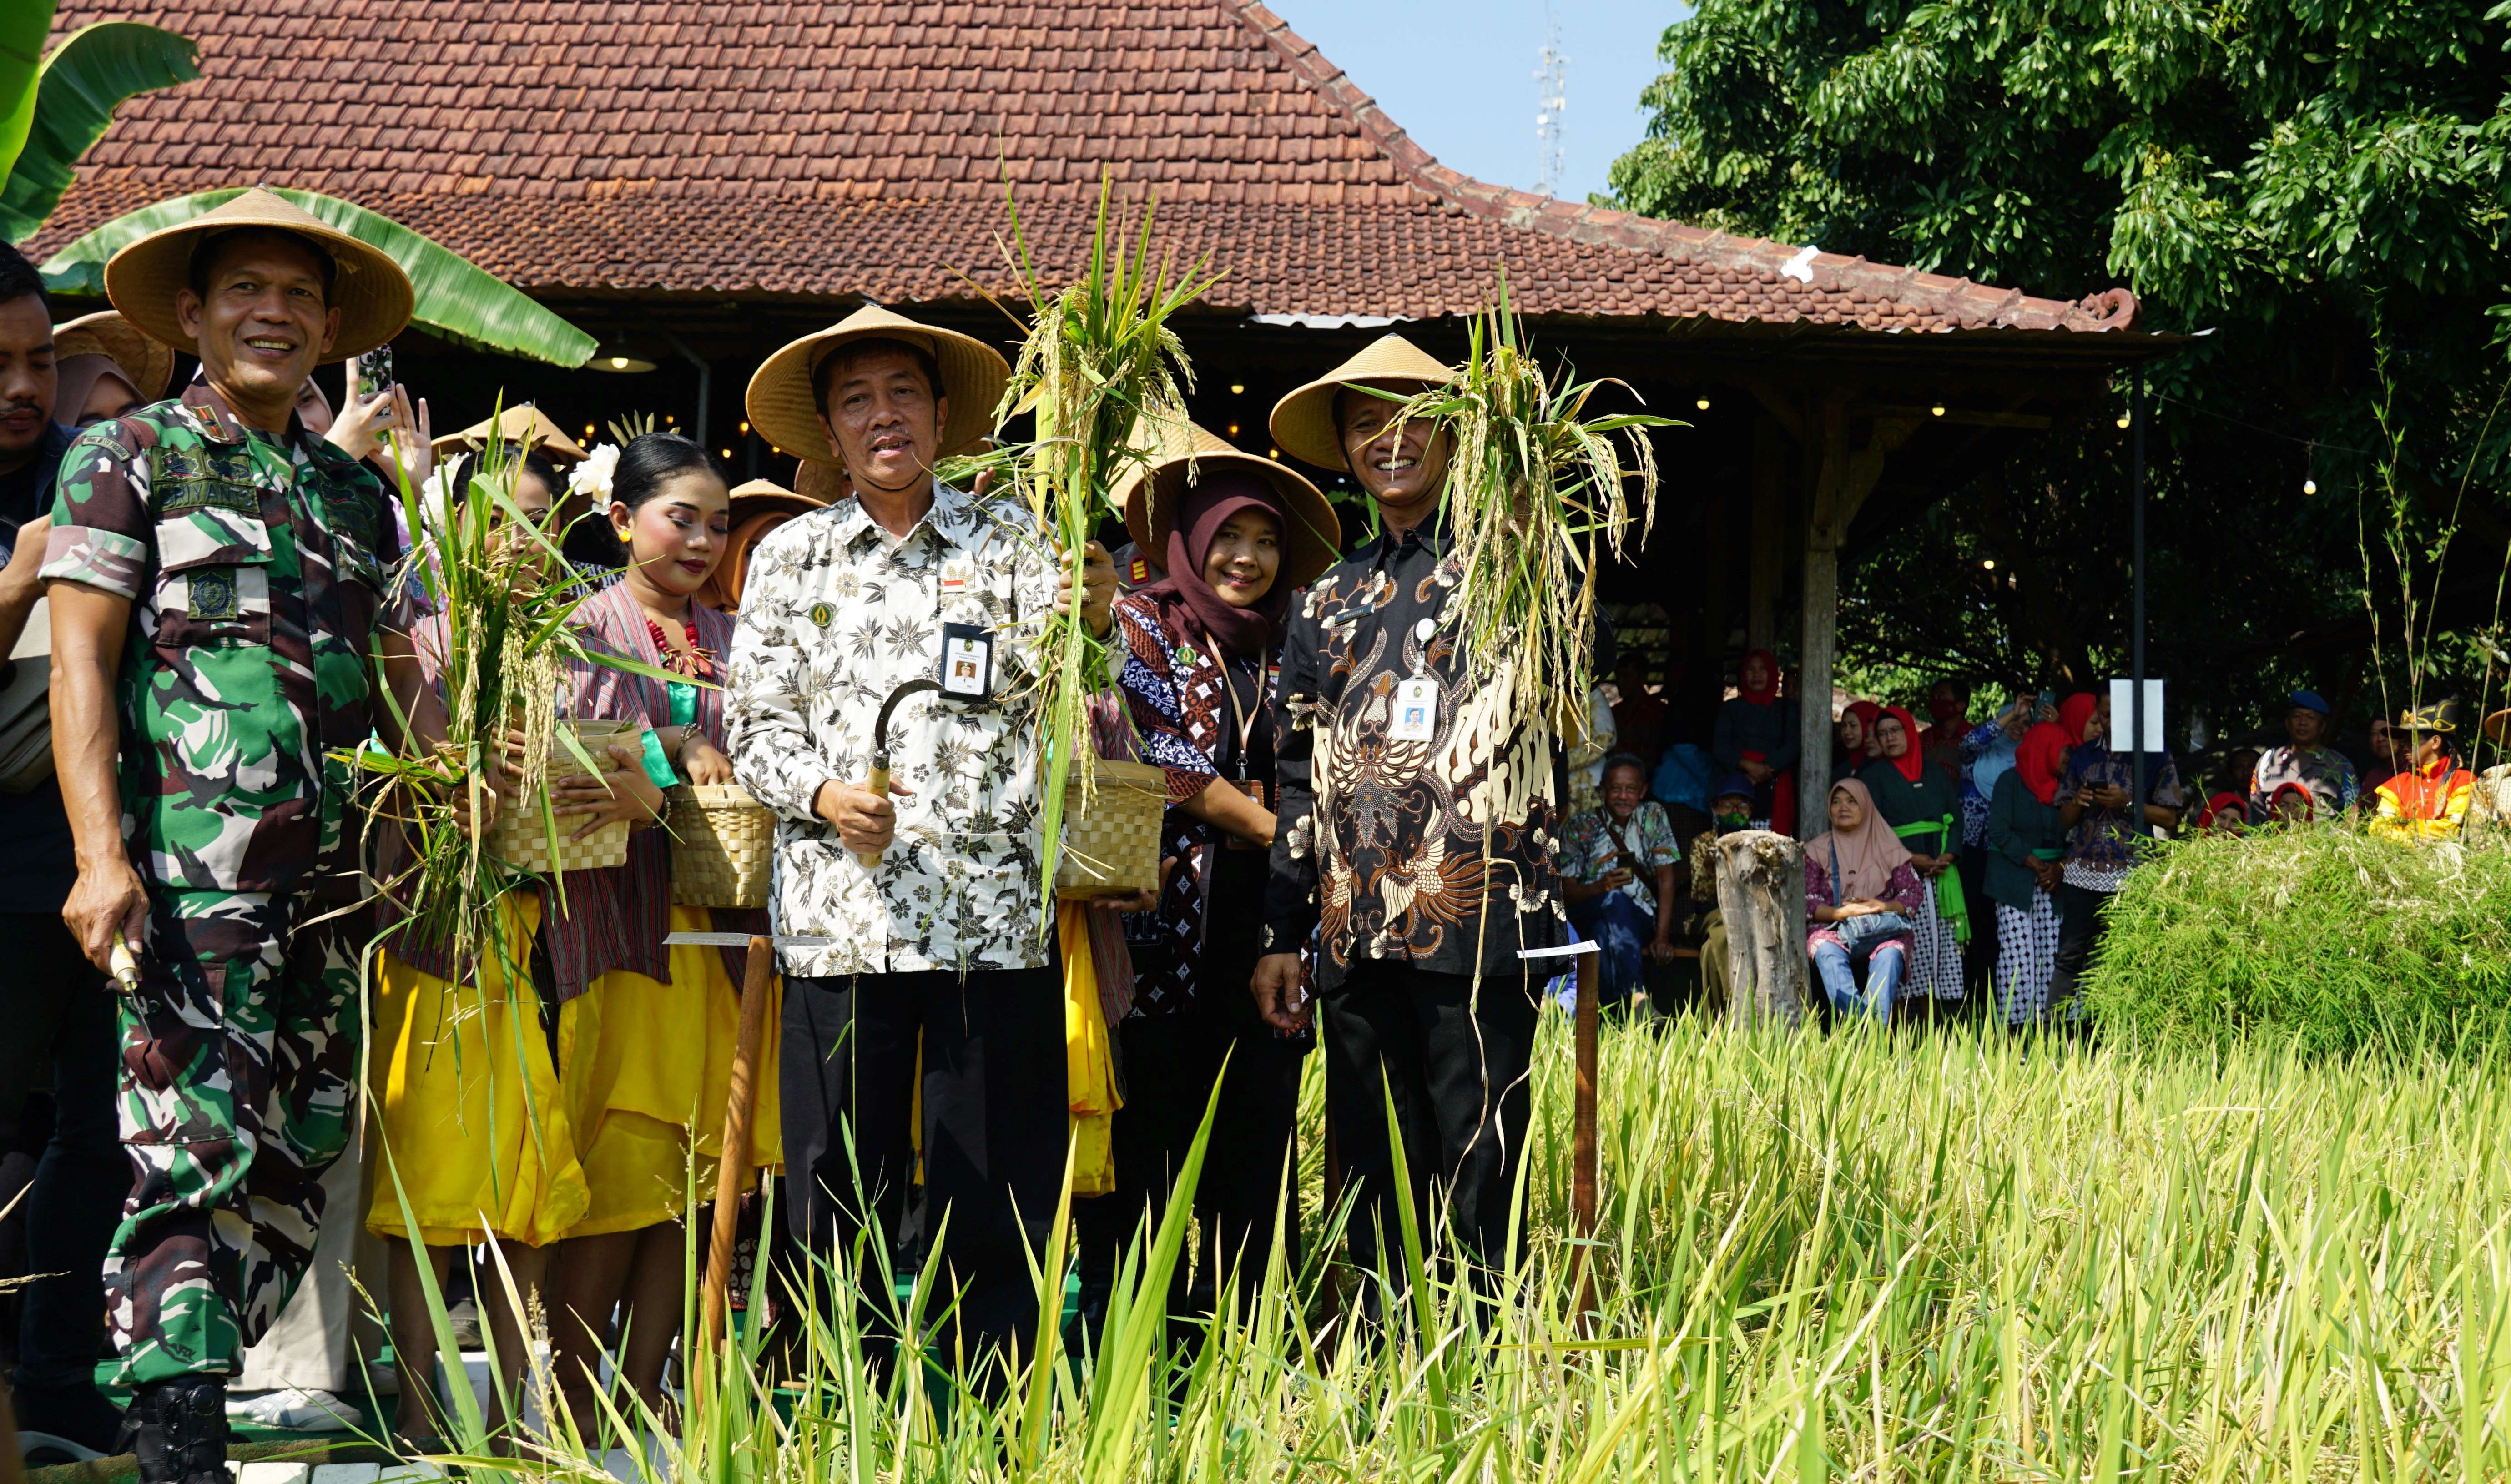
{"points": [[2331, 939], [1821, 1258]]}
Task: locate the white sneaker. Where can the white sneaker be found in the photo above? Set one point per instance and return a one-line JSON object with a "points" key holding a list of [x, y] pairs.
{"points": [[292, 1409]]}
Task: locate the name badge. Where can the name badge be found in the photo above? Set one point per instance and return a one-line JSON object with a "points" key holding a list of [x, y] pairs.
{"points": [[966, 660], [1417, 712]]}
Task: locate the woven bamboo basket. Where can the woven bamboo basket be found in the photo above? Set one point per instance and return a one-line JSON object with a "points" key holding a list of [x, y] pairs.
{"points": [[723, 842], [521, 838], [1111, 839]]}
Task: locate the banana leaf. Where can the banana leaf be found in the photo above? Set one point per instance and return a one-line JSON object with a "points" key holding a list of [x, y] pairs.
{"points": [[23, 30], [79, 85], [455, 298]]}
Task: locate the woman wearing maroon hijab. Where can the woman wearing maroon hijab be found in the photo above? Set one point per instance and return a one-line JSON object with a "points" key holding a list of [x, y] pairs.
{"points": [[1195, 664], [1757, 736]]}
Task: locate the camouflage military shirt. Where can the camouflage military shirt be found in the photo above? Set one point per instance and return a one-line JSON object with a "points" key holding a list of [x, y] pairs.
{"points": [[255, 567]]}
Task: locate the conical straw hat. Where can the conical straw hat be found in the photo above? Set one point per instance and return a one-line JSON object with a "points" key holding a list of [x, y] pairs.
{"points": [[144, 363], [754, 496], [783, 409], [526, 425], [824, 483], [372, 293], [1303, 422], [1149, 495]]}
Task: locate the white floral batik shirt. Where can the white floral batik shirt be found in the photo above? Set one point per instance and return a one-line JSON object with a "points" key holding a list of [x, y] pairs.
{"points": [[835, 615]]}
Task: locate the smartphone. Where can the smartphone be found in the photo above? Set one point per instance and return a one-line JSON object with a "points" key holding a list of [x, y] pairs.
{"points": [[374, 373]]}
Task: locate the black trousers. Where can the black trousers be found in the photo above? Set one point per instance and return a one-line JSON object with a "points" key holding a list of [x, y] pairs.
{"points": [[993, 1130], [61, 1039], [1172, 1063], [1453, 1058], [2079, 940], [1979, 956]]}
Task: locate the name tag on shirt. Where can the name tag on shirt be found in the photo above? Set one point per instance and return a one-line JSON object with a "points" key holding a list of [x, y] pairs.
{"points": [[966, 660], [1417, 712]]}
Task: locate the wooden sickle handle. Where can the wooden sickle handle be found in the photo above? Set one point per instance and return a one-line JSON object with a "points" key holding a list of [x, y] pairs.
{"points": [[878, 783]]}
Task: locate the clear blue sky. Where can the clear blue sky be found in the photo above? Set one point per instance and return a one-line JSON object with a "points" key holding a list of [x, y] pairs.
{"points": [[1459, 75]]}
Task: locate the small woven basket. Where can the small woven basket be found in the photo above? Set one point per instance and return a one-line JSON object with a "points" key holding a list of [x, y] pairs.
{"points": [[1111, 838], [723, 842], [521, 838]]}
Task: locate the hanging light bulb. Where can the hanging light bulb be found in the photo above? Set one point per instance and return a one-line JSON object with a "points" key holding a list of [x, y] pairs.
{"points": [[2122, 419], [2309, 486], [1938, 410], [1702, 404], [1989, 564], [1238, 389]]}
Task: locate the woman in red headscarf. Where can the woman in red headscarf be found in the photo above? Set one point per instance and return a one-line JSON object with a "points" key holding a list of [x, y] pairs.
{"points": [[1757, 736], [1853, 737], [2024, 845], [1921, 801]]}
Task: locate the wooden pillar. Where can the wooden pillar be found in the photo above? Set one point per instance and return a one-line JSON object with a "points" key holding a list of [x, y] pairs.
{"points": [[1841, 480], [1761, 897], [1769, 540], [1818, 649]]}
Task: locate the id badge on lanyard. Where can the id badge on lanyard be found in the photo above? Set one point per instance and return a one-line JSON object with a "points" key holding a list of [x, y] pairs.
{"points": [[967, 661], [1417, 712]]}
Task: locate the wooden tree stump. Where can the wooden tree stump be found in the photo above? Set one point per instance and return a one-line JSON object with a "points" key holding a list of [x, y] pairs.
{"points": [[1760, 893]]}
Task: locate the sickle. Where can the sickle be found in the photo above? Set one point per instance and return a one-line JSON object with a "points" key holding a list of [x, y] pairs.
{"points": [[878, 782]]}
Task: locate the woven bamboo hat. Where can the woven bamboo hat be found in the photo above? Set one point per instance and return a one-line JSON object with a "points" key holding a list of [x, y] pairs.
{"points": [[1303, 422], [526, 425], [756, 497], [370, 291], [782, 407], [144, 363], [1149, 496], [759, 506], [821, 483]]}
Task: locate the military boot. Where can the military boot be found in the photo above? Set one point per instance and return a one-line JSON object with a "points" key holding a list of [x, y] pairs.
{"points": [[179, 1428]]}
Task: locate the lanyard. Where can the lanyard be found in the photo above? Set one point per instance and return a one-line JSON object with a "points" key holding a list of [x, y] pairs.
{"points": [[1241, 716]]}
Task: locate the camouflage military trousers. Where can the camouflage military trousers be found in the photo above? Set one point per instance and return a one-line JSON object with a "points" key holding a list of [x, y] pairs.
{"points": [[239, 1072]]}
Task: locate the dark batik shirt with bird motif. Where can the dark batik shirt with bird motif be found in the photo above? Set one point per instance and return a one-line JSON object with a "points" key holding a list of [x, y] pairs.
{"points": [[1382, 835]]}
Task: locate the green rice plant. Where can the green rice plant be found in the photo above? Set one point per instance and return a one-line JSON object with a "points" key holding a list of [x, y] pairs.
{"points": [[1098, 359], [2329, 938], [1534, 486], [1864, 1256]]}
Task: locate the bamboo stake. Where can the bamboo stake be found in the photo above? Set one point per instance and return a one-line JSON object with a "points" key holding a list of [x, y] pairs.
{"points": [[739, 1111], [1582, 1145]]}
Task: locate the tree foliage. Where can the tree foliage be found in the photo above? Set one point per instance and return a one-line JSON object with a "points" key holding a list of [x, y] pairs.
{"points": [[2319, 183]]}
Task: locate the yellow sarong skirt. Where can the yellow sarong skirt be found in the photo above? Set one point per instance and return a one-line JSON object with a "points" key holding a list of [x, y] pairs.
{"points": [[476, 1130], [651, 1080]]}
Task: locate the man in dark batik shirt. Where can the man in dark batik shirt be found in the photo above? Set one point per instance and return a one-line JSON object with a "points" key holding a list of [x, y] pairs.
{"points": [[1390, 766]]}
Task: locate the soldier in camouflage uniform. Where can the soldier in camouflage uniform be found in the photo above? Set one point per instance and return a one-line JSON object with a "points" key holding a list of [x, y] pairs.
{"points": [[216, 575]]}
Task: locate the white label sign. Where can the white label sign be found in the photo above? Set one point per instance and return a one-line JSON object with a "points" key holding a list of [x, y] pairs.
{"points": [[2123, 716]]}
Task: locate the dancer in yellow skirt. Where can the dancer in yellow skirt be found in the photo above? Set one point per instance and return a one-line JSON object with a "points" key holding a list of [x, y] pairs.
{"points": [[471, 1067], [652, 1057]]}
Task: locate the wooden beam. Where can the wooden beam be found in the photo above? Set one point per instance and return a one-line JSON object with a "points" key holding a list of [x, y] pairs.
{"points": [[1968, 416], [1775, 402]]}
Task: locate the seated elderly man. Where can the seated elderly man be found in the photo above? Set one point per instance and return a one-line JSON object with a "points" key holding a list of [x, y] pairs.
{"points": [[1617, 866]]}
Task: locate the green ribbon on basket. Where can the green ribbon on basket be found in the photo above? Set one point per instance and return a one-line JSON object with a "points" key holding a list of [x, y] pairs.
{"points": [[1951, 904]]}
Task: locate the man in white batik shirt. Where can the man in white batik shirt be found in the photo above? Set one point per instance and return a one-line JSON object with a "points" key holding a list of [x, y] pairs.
{"points": [[935, 953]]}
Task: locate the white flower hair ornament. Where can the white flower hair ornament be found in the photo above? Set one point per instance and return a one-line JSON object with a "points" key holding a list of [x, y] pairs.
{"points": [[593, 476]]}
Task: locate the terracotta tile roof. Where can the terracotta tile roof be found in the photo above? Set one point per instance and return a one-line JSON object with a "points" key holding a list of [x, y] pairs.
{"points": [[832, 149]]}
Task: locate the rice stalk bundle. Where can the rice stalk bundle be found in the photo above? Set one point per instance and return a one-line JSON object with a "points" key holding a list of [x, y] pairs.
{"points": [[1098, 358], [1534, 487]]}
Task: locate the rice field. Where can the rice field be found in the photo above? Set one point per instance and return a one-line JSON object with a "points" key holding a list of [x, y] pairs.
{"points": [[1822, 1257]]}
